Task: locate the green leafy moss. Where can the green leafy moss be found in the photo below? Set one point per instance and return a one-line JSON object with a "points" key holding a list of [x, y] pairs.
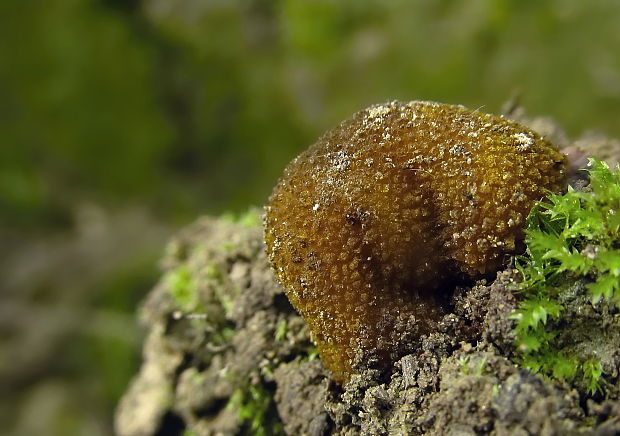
{"points": [[281, 330], [250, 218], [182, 287], [313, 353], [256, 409], [471, 366], [577, 235]]}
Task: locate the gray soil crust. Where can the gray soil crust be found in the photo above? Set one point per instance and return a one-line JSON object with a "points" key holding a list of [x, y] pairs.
{"points": [[226, 354]]}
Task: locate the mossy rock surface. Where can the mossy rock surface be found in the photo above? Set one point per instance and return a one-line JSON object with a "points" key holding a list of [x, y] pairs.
{"points": [[227, 354]]}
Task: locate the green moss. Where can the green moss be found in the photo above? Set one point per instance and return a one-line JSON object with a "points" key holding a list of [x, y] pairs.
{"points": [[474, 366], [257, 410], [223, 335], [250, 218], [281, 330], [216, 279], [592, 372], [182, 288], [212, 272], [313, 353], [574, 236]]}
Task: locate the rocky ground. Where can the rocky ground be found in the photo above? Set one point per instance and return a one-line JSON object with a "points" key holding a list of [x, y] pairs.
{"points": [[226, 354]]}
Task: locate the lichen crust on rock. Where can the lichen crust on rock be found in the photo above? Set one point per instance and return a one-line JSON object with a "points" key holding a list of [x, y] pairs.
{"points": [[369, 227]]}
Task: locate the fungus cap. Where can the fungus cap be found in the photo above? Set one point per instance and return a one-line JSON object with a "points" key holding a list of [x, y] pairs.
{"points": [[367, 228]]}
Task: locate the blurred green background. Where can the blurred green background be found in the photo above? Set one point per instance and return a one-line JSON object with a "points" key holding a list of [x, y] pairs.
{"points": [[121, 121]]}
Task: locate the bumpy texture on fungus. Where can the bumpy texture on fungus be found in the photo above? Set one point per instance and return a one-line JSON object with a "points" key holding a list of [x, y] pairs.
{"points": [[369, 226]]}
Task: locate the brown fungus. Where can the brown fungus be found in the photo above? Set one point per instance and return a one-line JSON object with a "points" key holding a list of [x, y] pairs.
{"points": [[369, 226]]}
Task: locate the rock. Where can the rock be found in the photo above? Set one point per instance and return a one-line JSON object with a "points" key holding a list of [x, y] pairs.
{"points": [[227, 354]]}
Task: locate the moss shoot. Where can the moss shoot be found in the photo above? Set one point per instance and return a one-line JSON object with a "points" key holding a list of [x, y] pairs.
{"points": [[573, 236]]}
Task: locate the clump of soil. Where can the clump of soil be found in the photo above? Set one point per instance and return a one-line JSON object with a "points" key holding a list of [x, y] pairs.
{"points": [[227, 354]]}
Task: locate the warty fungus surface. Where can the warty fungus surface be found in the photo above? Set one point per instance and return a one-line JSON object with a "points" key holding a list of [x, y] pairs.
{"points": [[368, 229]]}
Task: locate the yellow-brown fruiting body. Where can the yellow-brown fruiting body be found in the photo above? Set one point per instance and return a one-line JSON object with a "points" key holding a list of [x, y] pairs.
{"points": [[367, 227]]}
